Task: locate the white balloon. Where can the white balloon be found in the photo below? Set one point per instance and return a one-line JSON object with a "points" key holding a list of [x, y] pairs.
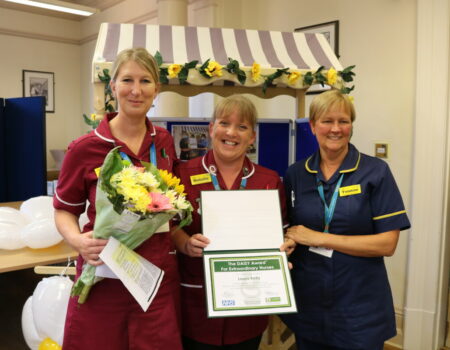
{"points": [[50, 300], [29, 331], [10, 235], [38, 208], [40, 234], [13, 215]]}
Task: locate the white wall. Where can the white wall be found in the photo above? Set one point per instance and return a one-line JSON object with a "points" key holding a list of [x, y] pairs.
{"points": [[35, 42]]}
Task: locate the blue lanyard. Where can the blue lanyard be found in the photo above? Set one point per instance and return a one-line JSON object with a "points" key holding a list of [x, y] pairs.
{"points": [[329, 210], [152, 155], [216, 182]]}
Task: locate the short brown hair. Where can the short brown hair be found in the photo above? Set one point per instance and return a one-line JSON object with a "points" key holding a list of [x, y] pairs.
{"points": [[140, 56], [245, 108], [323, 102]]}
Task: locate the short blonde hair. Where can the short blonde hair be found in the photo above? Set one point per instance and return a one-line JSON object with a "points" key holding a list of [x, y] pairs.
{"points": [[245, 108], [325, 101], [139, 55]]}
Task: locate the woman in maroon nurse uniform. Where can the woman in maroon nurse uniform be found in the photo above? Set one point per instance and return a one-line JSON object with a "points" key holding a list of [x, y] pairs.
{"points": [[111, 318], [232, 131]]}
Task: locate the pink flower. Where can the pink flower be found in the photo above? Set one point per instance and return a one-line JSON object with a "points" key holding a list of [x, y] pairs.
{"points": [[159, 202]]}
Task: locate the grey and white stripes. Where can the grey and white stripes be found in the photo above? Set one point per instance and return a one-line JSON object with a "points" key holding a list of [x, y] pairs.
{"points": [[180, 45]]}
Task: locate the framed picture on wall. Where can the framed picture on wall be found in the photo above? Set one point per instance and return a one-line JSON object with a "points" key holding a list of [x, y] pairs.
{"points": [[331, 32], [35, 83], [329, 29]]}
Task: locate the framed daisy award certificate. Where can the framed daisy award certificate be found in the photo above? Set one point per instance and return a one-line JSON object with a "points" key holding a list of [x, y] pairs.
{"points": [[245, 272]]}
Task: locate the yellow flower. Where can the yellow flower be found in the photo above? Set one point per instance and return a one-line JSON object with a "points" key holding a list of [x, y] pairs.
{"points": [[141, 199], [148, 180], [214, 69], [331, 76], [169, 179], [93, 116], [256, 71], [179, 189], [351, 99], [293, 77], [174, 69]]}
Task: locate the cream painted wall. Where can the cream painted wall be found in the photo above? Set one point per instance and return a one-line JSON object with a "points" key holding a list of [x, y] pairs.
{"points": [[49, 56]]}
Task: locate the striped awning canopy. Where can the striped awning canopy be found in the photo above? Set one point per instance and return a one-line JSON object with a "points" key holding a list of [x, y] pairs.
{"points": [[271, 50]]}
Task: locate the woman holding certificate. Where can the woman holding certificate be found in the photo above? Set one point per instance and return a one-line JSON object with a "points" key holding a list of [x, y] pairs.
{"points": [[225, 167], [110, 318], [346, 213]]}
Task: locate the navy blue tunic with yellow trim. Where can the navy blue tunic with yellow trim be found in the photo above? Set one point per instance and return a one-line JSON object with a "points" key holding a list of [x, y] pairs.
{"points": [[344, 301]]}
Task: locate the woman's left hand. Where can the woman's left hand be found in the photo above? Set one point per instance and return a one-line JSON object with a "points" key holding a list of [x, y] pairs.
{"points": [[305, 236], [288, 246]]}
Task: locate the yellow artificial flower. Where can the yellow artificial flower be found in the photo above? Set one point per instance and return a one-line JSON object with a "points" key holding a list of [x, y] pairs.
{"points": [[169, 179], [174, 69], [351, 99], [214, 69], [331, 76], [93, 116], [256, 71], [293, 77]]}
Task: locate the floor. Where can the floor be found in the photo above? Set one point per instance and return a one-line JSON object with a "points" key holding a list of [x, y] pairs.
{"points": [[15, 288]]}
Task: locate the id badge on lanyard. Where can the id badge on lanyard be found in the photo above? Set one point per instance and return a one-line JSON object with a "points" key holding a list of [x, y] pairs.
{"points": [[329, 212]]}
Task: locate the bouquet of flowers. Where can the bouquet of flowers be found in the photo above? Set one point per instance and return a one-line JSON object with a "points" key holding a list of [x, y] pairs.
{"points": [[131, 204]]}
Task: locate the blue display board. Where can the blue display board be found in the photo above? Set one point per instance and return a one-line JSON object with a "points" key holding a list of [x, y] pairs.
{"points": [[2, 154], [274, 142], [305, 142], [24, 148]]}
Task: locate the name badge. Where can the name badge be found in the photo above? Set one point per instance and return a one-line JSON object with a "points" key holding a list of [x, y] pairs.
{"points": [[349, 190], [200, 179], [322, 251]]}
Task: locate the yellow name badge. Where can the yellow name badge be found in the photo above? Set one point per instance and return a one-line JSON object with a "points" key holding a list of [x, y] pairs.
{"points": [[349, 190], [200, 179], [97, 171]]}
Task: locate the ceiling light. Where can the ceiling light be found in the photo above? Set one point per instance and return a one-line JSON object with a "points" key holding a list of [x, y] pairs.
{"points": [[58, 5]]}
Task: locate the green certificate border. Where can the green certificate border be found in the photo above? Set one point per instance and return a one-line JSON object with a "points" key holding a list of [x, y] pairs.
{"points": [[278, 259]]}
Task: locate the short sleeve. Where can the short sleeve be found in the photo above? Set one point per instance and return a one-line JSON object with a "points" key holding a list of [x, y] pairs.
{"points": [[388, 210], [71, 193]]}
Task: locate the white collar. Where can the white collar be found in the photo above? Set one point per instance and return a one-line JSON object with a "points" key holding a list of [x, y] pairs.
{"points": [[213, 170]]}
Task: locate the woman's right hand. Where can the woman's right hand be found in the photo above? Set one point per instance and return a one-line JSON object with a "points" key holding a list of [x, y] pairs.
{"points": [[89, 247], [195, 244]]}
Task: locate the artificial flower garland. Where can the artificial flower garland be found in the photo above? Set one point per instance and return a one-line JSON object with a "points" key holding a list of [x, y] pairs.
{"points": [[210, 69]]}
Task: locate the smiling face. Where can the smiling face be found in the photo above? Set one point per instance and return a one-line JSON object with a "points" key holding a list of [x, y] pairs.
{"points": [[231, 135], [333, 130], [134, 88]]}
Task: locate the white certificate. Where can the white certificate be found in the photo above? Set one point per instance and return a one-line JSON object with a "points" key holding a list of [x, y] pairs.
{"points": [[245, 272], [249, 284], [239, 220]]}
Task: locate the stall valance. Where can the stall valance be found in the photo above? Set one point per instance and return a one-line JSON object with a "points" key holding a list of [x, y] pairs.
{"points": [[244, 57]]}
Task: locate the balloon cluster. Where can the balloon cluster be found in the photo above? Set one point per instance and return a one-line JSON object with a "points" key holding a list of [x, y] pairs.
{"points": [[33, 225], [44, 313]]}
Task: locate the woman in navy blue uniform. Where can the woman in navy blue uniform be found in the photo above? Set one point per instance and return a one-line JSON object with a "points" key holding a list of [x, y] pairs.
{"points": [[346, 213]]}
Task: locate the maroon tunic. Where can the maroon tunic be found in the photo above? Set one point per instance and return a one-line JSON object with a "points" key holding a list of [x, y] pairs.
{"points": [[111, 318], [195, 324]]}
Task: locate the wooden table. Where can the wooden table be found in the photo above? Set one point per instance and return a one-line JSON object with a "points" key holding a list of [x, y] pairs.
{"points": [[11, 260]]}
